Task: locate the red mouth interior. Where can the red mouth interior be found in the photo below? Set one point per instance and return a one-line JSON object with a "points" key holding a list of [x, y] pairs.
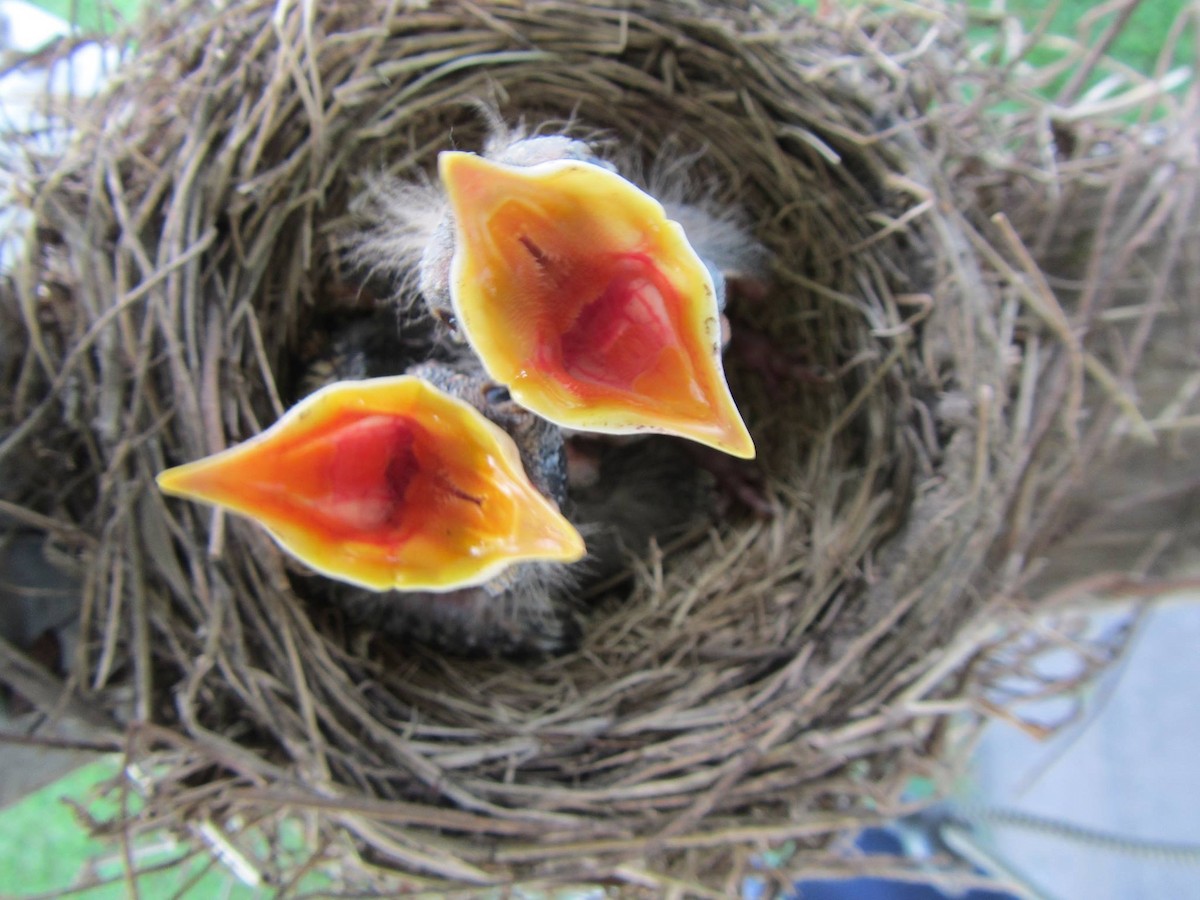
{"points": [[371, 466], [373, 478], [618, 337]]}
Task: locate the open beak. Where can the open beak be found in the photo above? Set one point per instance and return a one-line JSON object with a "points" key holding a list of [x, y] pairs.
{"points": [[387, 483], [575, 290]]}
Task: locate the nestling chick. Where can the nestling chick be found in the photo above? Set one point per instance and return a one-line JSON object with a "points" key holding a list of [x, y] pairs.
{"points": [[434, 483], [388, 483], [574, 287]]}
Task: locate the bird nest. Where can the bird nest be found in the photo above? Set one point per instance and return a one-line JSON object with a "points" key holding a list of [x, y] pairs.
{"points": [[957, 305]]}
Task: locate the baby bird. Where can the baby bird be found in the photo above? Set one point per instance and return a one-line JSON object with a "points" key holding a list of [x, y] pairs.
{"points": [[388, 483], [430, 496], [574, 287]]}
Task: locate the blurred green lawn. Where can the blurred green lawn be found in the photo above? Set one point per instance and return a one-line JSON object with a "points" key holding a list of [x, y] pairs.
{"points": [[45, 850], [1139, 43], [43, 847], [91, 15]]}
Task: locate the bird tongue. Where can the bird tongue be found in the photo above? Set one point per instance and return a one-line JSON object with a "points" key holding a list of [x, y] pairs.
{"points": [[618, 340], [575, 290], [386, 483]]}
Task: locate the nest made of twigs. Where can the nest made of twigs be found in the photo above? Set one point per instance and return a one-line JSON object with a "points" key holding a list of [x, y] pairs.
{"points": [[923, 394]]}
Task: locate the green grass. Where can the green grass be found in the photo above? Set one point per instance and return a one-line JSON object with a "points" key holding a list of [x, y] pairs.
{"points": [[45, 848], [91, 16], [41, 843], [1139, 43]]}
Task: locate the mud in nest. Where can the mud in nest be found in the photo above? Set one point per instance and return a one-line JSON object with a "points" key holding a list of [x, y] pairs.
{"points": [[915, 385]]}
